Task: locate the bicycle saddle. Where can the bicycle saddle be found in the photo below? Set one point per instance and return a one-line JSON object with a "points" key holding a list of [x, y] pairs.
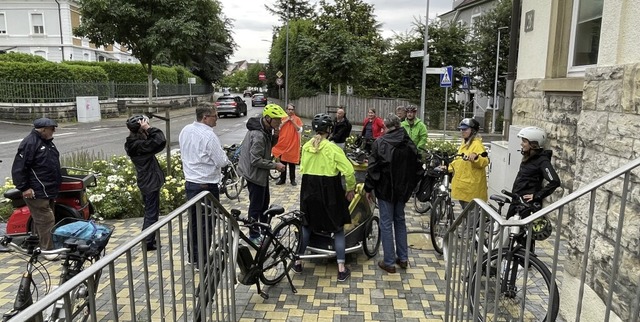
{"points": [[274, 210]]}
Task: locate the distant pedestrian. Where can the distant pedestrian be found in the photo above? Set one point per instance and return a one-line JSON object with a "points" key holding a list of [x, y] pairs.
{"points": [[322, 196], [288, 147], [401, 113], [256, 162], [202, 161], [142, 145], [372, 128], [393, 171], [341, 129], [416, 129], [36, 172]]}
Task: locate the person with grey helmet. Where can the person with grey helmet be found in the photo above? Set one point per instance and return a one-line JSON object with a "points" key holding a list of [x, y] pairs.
{"points": [[322, 196], [535, 168], [142, 145]]}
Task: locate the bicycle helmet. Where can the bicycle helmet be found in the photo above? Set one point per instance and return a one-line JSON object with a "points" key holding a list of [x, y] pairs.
{"points": [[412, 108], [469, 123], [322, 122], [533, 134], [541, 228], [133, 123], [274, 111]]}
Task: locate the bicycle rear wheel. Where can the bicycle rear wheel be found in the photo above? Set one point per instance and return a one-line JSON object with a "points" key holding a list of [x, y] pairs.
{"points": [[419, 206], [439, 223], [501, 295], [277, 252], [232, 182]]}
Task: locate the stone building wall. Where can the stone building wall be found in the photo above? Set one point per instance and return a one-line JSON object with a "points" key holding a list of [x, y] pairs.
{"points": [[591, 134]]}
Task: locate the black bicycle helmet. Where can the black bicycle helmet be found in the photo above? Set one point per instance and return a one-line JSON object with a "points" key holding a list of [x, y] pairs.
{"points": [[469, 123], [133, 123], [541, 228], [322, 122]]}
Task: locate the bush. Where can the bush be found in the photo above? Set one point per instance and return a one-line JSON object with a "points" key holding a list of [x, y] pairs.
{"points": [[22, 58], [434, 145]]}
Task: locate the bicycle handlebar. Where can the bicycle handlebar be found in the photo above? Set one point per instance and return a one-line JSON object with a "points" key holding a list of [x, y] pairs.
{"points": [[6, 241]]}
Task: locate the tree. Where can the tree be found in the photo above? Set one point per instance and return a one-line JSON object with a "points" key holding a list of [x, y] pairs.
{"points": [[484, 41], [155, 30], [253, 75], [298, 9]]}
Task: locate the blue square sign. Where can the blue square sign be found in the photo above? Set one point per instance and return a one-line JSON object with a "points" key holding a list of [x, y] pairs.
{"points": [[446, 79]]}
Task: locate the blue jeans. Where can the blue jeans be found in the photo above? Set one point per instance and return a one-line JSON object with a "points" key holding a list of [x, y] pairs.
{"points": [[392, 222], [193, 189], [151, 212], [338, 243], [258, 203]]}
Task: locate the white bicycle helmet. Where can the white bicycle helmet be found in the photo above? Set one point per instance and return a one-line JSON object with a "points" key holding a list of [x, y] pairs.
{"points": [[533, 134]]}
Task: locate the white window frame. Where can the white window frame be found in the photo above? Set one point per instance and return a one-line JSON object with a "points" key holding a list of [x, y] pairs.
{"points": [[3, 24], [33, 31], [576, 70]]}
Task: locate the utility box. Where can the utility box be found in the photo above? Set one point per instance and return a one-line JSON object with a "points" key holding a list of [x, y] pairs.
{"points": [[505, 162], [88, 109]]}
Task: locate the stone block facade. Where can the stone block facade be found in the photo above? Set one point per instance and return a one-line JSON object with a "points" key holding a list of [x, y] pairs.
{"points": [[592, 133]]}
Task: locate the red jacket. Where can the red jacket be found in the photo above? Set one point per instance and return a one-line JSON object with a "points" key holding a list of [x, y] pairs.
{"points": [[377, 128]]}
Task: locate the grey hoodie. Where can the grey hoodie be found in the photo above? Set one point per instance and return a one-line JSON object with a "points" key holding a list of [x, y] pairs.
{"points": [[255, 155]]}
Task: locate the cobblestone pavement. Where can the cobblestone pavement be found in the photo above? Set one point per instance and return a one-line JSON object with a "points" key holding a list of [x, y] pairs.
{"points": [[370, 294]]}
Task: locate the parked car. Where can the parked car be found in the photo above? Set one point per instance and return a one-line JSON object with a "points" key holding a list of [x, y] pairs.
{"points": [[231, 105], [247, 93], [259, 100]]}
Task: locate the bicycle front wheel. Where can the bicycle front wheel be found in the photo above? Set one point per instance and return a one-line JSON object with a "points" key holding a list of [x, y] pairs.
{"points": [[232, 182], [278, 250], [439, 223], [501, 295]]}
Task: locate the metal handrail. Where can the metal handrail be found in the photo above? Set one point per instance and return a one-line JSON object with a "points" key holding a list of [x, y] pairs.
{"points": [[53, 296]]}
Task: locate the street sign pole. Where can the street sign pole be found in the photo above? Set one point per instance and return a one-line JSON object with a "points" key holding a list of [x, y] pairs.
{"points": [[425, 63], [446, 95]]}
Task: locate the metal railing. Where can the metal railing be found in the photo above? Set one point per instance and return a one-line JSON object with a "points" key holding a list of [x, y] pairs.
{"points": [[161, 287], [67, 91], [588, 255]]}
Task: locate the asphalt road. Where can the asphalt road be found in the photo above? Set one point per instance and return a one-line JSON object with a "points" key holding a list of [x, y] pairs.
{"points": [[107, 137]]}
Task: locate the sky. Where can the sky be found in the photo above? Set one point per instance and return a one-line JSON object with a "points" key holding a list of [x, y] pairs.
{"points": [[253, 25]]}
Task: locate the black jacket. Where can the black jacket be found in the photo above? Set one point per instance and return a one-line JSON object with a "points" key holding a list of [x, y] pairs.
{"points": [[394, 167], [37, 166], [341, 131], [531, 175], [143, 155]]}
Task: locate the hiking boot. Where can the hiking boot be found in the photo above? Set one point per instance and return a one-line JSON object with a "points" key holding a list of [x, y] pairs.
{"points": [[388, 269], [402, 264]]}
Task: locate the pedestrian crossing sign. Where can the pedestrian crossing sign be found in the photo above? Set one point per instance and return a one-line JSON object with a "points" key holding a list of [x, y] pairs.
{"points": [[466, 82], [446, 79]]}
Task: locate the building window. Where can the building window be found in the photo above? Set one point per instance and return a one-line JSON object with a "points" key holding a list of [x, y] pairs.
{"points": [[37, 21], [585, 34], [40, 53], [3, 25], [86, 57]]}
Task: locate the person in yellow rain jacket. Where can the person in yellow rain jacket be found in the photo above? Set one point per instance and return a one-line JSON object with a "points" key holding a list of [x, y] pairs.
{"points": [[469, 173], [322, 198]]}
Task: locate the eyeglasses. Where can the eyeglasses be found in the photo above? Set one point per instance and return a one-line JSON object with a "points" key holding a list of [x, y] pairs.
{"points": [[214, 116]]}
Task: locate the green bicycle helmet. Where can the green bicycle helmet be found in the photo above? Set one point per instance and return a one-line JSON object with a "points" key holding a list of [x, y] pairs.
{"points": [[274, 111], [541, 228]]}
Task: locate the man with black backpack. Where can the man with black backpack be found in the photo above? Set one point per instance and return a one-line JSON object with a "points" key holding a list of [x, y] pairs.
{"points": [[393, 172]]}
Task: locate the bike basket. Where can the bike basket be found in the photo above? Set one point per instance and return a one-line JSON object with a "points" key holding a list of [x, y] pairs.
{"points": [[426, 185], [82, 232]]}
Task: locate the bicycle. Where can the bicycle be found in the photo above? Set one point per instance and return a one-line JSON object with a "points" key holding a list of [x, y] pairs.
{"points": [[442, 215], [426, 188], [76, 253], [511, 281], [231, 183]]}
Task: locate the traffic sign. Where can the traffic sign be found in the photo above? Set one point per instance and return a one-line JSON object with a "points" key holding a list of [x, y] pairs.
{"points": [[435, 70], [466, 82], [417, 53], [446, 79], [279, 74], [262, 76], [279, 81]]}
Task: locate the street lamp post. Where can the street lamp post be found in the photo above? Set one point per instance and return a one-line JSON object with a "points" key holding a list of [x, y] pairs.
{"points": [[286, 64], [495, 86]]}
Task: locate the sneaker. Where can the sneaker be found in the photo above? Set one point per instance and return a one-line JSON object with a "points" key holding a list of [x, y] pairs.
{"points": [[297, 268], [342, 276]]}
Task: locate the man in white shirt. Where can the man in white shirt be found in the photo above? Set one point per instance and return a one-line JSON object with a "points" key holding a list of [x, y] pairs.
{"points": [[202, 161]]}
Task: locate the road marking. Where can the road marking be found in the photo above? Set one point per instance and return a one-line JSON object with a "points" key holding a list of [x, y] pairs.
{"points": [[20, 140]]}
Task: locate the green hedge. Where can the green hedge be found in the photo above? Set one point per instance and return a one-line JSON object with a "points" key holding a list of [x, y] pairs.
{"points": [[49, 72], [22, 58]]}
